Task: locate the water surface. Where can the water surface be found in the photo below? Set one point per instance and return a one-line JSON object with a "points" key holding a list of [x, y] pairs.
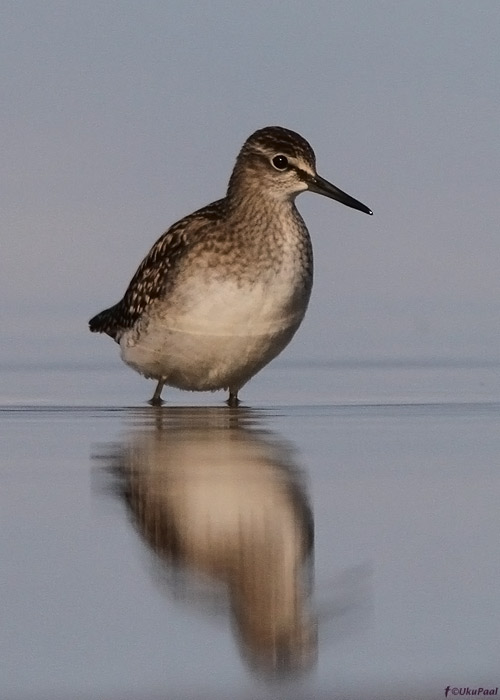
{"points": [[135, 542]]}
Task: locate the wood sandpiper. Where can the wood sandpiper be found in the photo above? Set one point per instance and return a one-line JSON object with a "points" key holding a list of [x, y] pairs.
{"points": [[223, 291]]}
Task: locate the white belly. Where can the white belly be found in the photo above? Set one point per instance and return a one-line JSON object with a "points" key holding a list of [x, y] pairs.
{"points": [[215, 336]]}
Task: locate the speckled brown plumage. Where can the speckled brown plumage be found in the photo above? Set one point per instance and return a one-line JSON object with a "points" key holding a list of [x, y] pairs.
{"points": [[239, 268], [155, 272]]}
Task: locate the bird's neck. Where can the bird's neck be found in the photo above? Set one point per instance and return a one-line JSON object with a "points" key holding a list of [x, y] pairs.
{"points": [[248, 201]]}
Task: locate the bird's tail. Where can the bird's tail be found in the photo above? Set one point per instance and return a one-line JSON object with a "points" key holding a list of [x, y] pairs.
{"points": [[107, 321]]}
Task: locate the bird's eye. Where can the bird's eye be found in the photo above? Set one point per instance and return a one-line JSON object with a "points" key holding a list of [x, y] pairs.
{"points": [[280, 162]]}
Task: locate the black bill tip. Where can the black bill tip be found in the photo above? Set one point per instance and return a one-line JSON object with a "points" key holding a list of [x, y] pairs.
{"points": [[327, 189]]}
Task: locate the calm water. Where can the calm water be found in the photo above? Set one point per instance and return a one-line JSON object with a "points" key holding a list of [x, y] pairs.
{"points": [[168, 553]]}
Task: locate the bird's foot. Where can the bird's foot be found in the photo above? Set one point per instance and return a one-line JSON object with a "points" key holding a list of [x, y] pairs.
{"points": [[156, 400], [233, 400]]}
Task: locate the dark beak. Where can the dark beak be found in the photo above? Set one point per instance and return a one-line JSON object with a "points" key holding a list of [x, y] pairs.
{"points": [[321, 186]]}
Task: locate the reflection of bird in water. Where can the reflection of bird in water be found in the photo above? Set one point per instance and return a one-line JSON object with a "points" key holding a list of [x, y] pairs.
{"points": [[210, 491]]}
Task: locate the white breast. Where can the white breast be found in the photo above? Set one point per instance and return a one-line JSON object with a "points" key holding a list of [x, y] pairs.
{"points": [[225, 308], [217, 333]]}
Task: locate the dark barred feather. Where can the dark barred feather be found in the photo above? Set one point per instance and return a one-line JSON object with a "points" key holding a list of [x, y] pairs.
{"points": [[150, 280]]}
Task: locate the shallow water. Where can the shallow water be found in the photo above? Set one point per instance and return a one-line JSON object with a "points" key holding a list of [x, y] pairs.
{"points": [[134, 540]]}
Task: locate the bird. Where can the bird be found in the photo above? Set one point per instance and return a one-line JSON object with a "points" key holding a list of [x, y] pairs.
{"points": [[223, 291]]}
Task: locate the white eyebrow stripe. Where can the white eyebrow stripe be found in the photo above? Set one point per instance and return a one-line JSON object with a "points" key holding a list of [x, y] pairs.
{"points": [[299, 165]]}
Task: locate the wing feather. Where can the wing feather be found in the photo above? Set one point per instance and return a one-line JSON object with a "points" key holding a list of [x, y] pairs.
{"points": [[152, 276]]}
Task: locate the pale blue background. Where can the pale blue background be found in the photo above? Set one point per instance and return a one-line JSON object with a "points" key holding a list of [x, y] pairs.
{"points": [[120, 117], [117, 118]]}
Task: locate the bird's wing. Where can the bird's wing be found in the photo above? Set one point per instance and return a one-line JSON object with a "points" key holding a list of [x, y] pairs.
{"points": [[151, 278]]}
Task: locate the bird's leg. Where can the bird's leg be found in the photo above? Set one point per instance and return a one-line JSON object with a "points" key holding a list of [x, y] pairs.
{"points": [[233, 400], [157, 400]]}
